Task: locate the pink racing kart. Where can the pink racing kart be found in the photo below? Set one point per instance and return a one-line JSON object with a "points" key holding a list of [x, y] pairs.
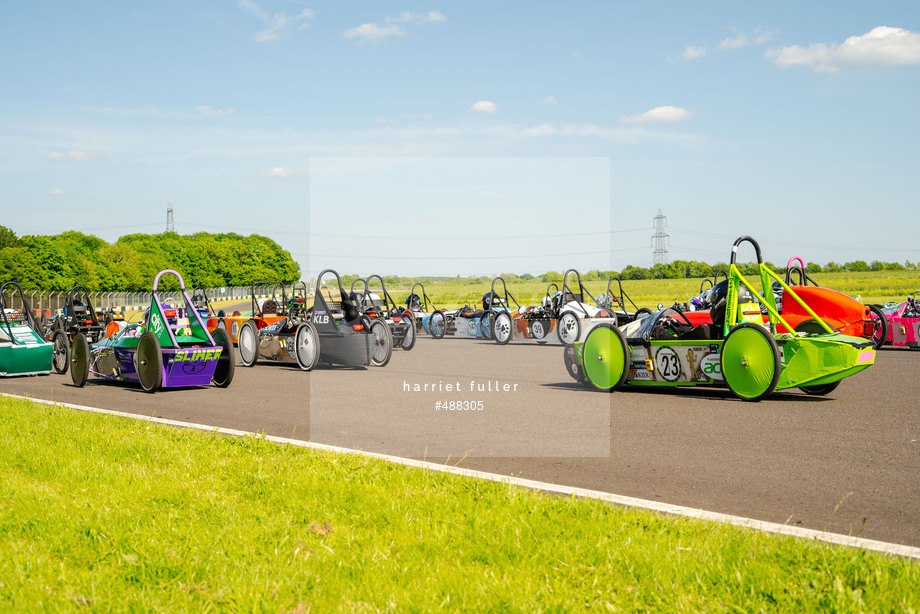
{"points": [[903, 322]]}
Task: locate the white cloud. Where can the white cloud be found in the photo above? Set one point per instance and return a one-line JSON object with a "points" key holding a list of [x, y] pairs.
{"points": [[692, 52], [881, 46], [659, 115], [373, 32], [280, 172], [278, 24], [550, 100], [207, 110], [73, 154], [416, 19], [484, 106], [58, 192], [758, 37]]}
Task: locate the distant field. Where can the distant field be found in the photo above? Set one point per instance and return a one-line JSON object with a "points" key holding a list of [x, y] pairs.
{"points": [[870, 287]]}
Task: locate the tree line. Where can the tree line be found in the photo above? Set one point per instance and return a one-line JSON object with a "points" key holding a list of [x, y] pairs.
{"points": [[61, 261]]}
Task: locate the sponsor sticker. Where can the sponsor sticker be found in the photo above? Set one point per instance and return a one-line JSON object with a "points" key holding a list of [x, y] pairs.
{"points": [[711, 367]]}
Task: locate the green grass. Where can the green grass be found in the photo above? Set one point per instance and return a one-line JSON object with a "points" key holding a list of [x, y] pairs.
{"points": [[871, 287], [111, 515]]}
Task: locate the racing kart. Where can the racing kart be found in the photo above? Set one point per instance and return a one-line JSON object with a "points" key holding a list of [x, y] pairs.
{"points": [[902, 322], [739, 349], [566, 311], [75, 317], [382, 307], [345, 336], [23, 349], [468, 321], [287, 337], [265, 310], [420, 306], [158, 353]]}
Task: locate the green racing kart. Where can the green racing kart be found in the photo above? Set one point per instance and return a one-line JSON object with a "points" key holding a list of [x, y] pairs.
{"points": [[740, 350]]}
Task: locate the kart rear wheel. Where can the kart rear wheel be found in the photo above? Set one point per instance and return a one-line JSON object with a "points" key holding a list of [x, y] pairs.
{"points": [[61, 352], [881, 327], [409, 341], [149, 362], [569, 328], [605, 357], [306, 346], [750, 362], [643, 312], [226, 364], [501, 329], [487, 324], [383, 344], [438, 324], [79, 360], [249, 343], [820, 390]]}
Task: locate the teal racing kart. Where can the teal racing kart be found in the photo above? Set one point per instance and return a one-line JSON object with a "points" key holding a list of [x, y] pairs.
{"points": [[741, 349]]}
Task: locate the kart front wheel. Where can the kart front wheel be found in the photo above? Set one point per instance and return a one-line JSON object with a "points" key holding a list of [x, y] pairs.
{"points": [[437, 323], [383, 344], [750, 362], [605, 357], [79, 360], [881, 327], [149, 362], [226, 364], [501, 329], [569, 328], [306, 346], [249, 343], [61, 352], [409, 340]]}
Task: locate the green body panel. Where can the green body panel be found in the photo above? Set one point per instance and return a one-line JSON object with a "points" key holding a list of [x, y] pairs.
{"points": [[821, 359], [30, 355]]}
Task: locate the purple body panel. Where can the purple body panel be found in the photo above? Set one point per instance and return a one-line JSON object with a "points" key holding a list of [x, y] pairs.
{"points": [[181, 367]]}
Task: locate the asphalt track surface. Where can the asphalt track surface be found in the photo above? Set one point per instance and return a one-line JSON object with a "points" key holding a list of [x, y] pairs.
{"points": [[847, 463]]}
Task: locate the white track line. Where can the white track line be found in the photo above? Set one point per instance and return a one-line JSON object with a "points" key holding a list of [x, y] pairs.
{"points": [[629, 502]]}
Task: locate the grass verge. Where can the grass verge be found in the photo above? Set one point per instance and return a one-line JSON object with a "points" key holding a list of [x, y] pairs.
{"points": [[111, 514]]}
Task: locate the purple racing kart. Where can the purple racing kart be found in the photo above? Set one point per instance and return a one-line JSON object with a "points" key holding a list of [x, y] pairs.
{"points": [[160, 353]]}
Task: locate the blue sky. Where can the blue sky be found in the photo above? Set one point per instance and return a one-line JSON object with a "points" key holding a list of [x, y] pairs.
{"points": [[407, 138]]}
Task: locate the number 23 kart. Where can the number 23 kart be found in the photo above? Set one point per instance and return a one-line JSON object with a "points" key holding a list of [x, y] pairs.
{"points": [[157, 354], [738, 350]]}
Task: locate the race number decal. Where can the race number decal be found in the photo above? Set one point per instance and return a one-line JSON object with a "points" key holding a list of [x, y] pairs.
{"points": [[668, 364], [234, 329], [536, 330], [289, 345], [472, 328]]}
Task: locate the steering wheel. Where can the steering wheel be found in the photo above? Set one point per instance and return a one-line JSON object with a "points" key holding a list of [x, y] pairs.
{"points": [[667, 327]]}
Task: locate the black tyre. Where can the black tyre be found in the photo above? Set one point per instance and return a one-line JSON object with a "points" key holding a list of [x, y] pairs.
{"points": [[572, 366], [226, 364], [409, 341], [437, 324], [486, 324], [568, 329], [79, 360], [306, 346], [820, 390], [383, 344], [881, 326], [249, 343], [61, 353], [502, 328], [643, 312], [149, 362], [750, 362]]}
